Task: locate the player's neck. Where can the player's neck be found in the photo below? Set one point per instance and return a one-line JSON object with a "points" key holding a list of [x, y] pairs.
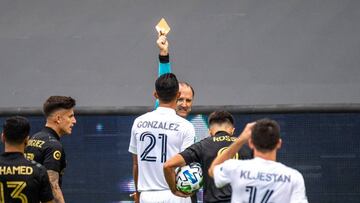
{"points": [[266, 155], [54, 127], [171, 105], [15, 148]]}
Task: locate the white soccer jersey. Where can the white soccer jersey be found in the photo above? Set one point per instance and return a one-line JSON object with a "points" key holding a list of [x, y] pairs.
{"points": [[261, 181], [156, 137]]}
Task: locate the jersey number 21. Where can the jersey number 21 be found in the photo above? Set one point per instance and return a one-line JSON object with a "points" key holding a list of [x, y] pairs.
{"points": [[162, 138]]}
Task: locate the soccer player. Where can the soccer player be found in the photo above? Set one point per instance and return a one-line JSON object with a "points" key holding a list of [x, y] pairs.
{"points": [[185, 101], [155, 137], [21, 180], [221, 128], [45, 147], [261, 179]]}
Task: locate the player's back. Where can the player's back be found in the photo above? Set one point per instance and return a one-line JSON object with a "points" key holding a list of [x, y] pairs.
{"points": [[157, 136], [40, 143], [264, 181], [22, 180]]}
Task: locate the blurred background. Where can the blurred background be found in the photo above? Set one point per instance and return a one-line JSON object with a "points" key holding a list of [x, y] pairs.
{"points": [[296, 61]]}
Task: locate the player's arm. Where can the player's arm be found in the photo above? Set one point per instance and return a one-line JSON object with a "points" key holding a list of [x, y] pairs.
{"points": [[135, 175], [189, 155], [164, 59], [56, 190], [164, 62], [169, 173], [233, 149], [45, 191]]}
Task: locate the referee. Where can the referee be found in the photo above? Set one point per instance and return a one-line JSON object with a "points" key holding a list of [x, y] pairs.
{"points": [[221, 128], [21, 180], [45, 147]]}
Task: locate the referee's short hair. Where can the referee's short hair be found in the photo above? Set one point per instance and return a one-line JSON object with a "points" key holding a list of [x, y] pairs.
{"points": [[265, 135], [16, 129], [221, 117], [167, 87], [54, 103]]}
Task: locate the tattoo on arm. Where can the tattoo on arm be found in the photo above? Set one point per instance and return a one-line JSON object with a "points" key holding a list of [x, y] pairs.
{"points": [[54, 181]]}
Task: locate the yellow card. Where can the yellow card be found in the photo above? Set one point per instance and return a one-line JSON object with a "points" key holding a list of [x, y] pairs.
{"points": [[163, 27]]}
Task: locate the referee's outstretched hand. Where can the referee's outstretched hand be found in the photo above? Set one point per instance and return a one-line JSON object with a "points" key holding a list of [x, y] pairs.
{"points": [[163, 44]]}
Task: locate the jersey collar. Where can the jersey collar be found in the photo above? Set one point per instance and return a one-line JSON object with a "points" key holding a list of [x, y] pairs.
{"points": [[165, 110], [51, 132], [12, 154], [221, 133]]}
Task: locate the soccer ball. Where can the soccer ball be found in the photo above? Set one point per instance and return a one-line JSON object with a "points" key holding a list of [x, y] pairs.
{"points": [[189, 178]]}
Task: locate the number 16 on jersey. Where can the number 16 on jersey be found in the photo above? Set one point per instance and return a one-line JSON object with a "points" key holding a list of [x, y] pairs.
{"points": [[162, 138]]}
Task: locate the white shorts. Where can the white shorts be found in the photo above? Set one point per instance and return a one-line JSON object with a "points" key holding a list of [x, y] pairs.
{"points": [[162, 196]]}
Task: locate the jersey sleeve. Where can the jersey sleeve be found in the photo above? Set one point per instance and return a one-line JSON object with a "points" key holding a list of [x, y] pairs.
{"points": [[189, 137], [164, 67], [222, 173], [45, 189], [192, 153], [53, 156], [299, 191], [132, 145]]}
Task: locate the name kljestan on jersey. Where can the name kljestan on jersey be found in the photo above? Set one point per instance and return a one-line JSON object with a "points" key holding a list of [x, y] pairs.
{"points": [[158, 124], [268, 177]]}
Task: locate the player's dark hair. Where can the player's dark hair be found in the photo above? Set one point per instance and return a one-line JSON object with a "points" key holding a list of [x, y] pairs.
{"points": [[16, 129], [55, 103], [221, 117], [167, 87], [188, 85], [265, 135]]}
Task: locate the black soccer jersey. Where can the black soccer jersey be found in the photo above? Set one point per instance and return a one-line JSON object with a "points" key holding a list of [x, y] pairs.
{"points": [[22, 180], [45, 148], [204, 152]]}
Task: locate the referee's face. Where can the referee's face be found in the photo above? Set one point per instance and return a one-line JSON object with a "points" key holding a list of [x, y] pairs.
{"points": [[184, 103], [67, 121]]}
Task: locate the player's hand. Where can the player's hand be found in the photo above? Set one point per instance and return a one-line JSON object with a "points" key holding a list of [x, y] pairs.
{"points": [[163, 44], [177, 192], [246, 133], [181, 194], [136, 197]]}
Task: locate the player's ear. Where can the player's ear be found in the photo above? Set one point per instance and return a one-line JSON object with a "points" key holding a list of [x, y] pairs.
{"points": [[210, 132], [232, 130], [2, 138], [26, 140], [278, 146], [178, 95], [155, 95], [251, 145]]}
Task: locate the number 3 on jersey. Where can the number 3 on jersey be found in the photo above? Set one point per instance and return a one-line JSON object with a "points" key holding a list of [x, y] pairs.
{"points": [[16, 193], [152, 138]]}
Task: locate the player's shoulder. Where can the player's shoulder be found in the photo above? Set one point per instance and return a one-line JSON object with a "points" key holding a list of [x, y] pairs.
{"points": [[35, 165], [144, 116], [183, 121], [233, 163], [292, 171]]}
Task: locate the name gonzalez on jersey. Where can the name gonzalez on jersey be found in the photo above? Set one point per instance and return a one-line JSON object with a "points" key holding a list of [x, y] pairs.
{"points": [[158, 124]]}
